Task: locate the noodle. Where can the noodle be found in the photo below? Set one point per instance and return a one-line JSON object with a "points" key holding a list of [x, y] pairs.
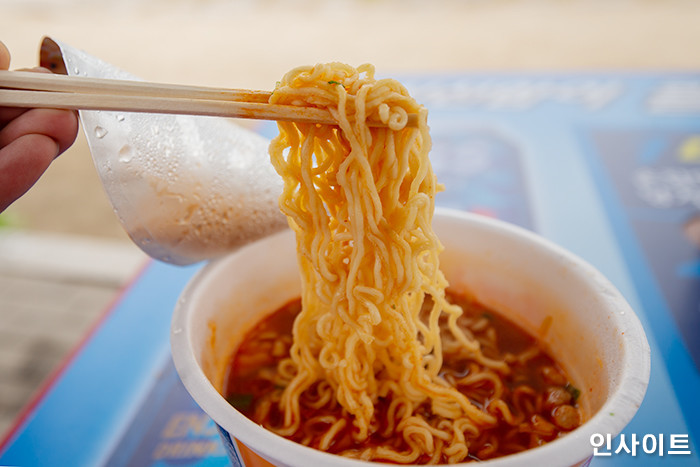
{"points": [[379, 363], [360, 199]]}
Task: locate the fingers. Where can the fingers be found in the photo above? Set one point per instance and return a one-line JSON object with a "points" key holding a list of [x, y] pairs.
{"points": [[4, 57], [59, 125], [7, 114], [29, 140], [21, 164]]}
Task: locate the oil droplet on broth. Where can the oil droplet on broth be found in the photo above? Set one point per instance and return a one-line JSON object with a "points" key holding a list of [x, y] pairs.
{"points": [[100, 132]]}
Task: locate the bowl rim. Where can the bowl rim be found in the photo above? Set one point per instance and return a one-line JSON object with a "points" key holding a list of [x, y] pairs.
{"points": [[622, 403]]}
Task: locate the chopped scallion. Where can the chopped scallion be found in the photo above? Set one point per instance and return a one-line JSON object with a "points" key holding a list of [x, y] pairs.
{"points": [[240, 401], [574, 391]]}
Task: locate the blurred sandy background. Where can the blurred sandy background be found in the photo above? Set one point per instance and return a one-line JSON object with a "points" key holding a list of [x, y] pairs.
{"points": [[252, 43]]}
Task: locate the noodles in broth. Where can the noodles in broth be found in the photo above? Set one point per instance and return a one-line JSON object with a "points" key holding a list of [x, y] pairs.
{"points": [[367, 340]]}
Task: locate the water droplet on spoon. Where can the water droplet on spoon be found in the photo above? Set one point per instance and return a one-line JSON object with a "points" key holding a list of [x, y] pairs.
{"points": [[100, 132], [126, 153]]}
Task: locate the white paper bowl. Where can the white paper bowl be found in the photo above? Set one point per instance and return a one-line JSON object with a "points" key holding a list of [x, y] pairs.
{"points": [[594, 333]]}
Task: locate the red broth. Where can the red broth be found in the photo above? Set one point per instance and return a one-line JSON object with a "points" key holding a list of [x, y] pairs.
{"points": [[540, 402]]}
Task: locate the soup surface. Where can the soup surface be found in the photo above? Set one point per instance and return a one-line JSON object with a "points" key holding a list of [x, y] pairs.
{"points": [[533, 403]]}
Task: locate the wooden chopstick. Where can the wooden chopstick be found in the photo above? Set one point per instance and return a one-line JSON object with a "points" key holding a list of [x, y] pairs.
{"points": [[52, 82], [164, 105], [43, 90]]}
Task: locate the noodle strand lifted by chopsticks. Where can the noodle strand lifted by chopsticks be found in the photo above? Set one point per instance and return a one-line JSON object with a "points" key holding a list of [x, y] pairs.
{"points": [[360, 199]]}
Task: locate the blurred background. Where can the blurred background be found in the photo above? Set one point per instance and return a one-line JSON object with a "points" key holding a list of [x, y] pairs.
{"points": [[252, 43], [63, 254]]}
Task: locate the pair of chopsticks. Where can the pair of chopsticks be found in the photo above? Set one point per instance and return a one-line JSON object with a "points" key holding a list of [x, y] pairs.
{"points": [[44, 90]]}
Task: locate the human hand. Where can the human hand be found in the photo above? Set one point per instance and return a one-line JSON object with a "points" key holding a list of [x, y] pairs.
{"points": [[30, 139]]}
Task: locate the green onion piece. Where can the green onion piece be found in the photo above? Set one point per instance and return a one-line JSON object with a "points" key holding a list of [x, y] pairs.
{"points": [[574, 391], [240, 401]]}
